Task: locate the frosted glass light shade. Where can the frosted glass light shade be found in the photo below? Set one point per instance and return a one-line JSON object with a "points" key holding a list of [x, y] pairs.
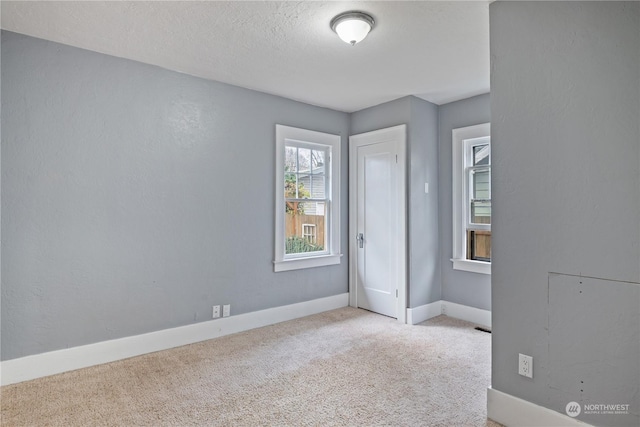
{"points": [[352, 27], [353, 31]]}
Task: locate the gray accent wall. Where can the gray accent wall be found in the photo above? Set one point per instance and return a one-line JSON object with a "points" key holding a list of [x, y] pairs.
{"points": [[421, 118], [565, 104], [461, 287], [135, 198]]}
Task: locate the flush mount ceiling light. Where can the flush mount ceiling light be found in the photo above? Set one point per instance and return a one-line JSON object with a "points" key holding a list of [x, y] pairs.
{"points": [[352, 27]]}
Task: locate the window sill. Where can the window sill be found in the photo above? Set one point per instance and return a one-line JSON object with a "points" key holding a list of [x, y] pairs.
{"points": [[307, 262], [472, 266]]}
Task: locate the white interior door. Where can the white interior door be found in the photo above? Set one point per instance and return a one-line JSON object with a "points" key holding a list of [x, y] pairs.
{"points": [[377, 220]]}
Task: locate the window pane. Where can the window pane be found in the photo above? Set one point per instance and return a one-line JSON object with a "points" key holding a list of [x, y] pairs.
{"points": [[479, 245], [480, 212], [480, 195], [481, 184], [304, 160], [304, 186], [291, 186], [317, 162], [481, 155], [318, 187], [290, 159], [305, 227]]}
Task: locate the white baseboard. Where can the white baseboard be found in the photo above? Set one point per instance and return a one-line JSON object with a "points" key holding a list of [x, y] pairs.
{"points": [[464, 312], [55, 362], [451, 309], [513, 411], [423, 312]]}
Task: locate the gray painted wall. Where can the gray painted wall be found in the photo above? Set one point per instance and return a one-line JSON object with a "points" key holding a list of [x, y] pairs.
{"points": [[135, 198], [424, 237], [565, 103], [461, 287], [382, 116], [421, 118]]}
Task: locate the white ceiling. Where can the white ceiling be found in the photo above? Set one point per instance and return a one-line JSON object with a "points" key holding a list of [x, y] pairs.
{"points": [[438, 51]]}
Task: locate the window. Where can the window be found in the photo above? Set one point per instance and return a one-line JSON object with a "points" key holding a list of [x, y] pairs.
{"points": [[307, 199], [472, 198], [309, 233]]}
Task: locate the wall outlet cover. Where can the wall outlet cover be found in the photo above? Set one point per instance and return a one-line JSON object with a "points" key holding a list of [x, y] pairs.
{"points": [[226, 310], [525, 365]]}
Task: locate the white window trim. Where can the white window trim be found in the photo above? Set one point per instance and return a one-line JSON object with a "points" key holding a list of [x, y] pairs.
{"points": [[459, 136], [332, 255]]}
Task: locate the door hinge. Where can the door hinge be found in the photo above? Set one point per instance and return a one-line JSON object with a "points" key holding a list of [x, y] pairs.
{"points": [[396, 293], [396, 158]]}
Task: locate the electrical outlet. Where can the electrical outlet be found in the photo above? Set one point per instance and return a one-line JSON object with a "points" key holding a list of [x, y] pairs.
{"points": [[525, 365], [216, 311], [226, 310]]}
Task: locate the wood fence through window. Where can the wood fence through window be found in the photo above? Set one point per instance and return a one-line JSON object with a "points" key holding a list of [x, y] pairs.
{"points": [[310, 227]]}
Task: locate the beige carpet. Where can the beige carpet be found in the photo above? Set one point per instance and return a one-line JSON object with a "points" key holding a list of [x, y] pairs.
{"points": [[346, 367]]}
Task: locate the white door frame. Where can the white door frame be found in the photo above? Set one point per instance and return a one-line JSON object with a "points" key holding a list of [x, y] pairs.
{"points": [[382, 135]]}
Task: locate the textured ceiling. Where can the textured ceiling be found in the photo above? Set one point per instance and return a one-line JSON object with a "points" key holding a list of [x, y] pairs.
{"points": [[438, 51]]}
